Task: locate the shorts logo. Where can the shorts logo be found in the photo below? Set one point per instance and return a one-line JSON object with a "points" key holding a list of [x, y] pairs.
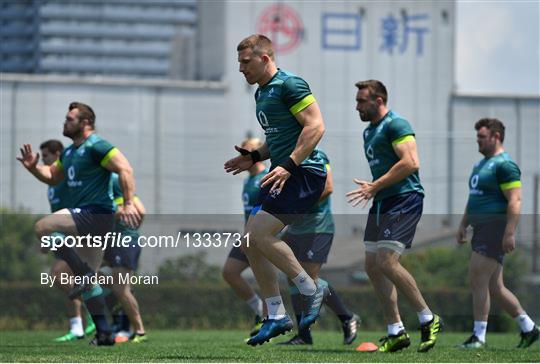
{"points": [[117, 259], [76, 210], [310, 254], [387, 233], [275, 193], [51, 193]]}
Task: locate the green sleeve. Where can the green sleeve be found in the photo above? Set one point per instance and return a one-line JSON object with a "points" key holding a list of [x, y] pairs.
{"points": [[397, 129], [296, 94], [508, 175], [102, 151]]}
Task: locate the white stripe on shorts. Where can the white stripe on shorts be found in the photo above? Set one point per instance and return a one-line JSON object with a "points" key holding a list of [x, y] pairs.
{"points": [[371, 246], [392, 245]]}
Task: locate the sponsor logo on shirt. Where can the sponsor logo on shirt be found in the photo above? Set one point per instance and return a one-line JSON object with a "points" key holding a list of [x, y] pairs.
{"points": [[71, 176], [371, 155], [474, 184]]}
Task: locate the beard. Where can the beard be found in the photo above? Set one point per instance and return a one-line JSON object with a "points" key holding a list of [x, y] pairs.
{"points": [[76, 131], [369, 115]]}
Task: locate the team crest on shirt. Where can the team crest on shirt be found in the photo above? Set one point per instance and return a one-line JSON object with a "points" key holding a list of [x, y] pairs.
{"points": [[81, 151], [68, 152], [490, 165]]}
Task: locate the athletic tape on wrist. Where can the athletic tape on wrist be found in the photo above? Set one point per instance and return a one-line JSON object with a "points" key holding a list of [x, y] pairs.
{"points": [[255, 156], [289, 165]]}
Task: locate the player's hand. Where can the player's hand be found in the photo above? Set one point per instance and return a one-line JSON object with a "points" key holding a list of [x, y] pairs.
{"points": [[130, 216], [239, 164], [366, 192], [461, 235], [277, 177], [508, 243], [28, 159]]}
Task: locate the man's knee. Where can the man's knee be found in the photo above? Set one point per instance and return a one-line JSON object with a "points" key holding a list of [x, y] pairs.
{"points": [[120, 290], [371, 267], [256, 240], [41, 228], [386, 262], [496, 289], [59, 267], [478, 280], [229, 275]]}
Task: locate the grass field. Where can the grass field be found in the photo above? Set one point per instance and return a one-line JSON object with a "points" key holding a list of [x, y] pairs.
{"points": [[228, 346]]}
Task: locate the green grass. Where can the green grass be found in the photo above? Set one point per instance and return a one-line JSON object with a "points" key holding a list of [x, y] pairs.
{"points": [[229, 346]]}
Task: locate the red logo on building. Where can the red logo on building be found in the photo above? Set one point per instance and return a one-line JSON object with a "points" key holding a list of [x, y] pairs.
{"points": [[282, 25]]}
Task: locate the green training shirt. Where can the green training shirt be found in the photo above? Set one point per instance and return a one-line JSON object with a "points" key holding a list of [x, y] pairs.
{"points": [[58, 196], [277, 103], [379, 141], [489, 178], [87, 179]]}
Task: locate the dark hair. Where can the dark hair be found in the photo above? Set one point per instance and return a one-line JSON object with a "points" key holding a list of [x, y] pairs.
{"points": [[376, 89], [259, 44], [85, 112], [493, 125], [52, 145]]}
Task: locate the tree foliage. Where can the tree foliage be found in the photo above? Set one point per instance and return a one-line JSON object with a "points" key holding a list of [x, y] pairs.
{"points": [[19, 248]]}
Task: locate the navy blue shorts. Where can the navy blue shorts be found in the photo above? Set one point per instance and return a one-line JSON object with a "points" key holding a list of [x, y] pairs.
{"points": [[392, 220], [487, 239], [93, 219], [237, 253], [310, 248], [126, 257], [300, 193]]}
